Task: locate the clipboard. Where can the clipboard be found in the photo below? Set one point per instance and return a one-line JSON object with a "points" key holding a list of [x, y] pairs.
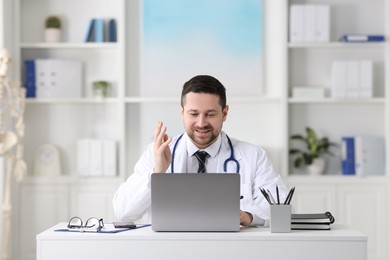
{"points": [[108, 229]]}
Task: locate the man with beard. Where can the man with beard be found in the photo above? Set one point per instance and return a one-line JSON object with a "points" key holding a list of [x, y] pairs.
{"points": [[203, 110]]}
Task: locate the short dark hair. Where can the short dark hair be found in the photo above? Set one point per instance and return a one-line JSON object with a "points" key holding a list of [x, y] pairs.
{"points": [[204, 84]]}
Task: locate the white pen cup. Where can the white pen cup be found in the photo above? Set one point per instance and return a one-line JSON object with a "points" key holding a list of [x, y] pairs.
{"points": [[280, 220]]}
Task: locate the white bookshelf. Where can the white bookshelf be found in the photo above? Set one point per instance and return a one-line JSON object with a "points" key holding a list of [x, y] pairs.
{"points": [[359, 201]]}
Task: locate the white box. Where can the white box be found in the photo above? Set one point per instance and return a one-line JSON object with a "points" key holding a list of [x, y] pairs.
{"points": [[96, 157], [308, 92], [369, 155]]}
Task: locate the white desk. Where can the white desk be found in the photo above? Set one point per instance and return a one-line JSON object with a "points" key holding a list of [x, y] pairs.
{"points": [[340, 243]]}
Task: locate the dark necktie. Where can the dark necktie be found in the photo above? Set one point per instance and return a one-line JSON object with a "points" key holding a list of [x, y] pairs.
{"points": [[201, 156]]}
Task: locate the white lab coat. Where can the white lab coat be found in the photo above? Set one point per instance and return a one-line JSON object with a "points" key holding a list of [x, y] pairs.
{"points": [[132, 200]]}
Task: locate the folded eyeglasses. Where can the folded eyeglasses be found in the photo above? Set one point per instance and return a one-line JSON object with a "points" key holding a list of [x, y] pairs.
{"points": [[92, 223]]}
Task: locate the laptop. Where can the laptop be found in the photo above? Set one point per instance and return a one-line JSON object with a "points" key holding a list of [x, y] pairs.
{"points": [[195, 202]]}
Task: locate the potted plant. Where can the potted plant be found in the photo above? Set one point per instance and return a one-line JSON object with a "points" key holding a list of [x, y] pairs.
{"points": [[312, 155], [52, 29], [100, 88]]}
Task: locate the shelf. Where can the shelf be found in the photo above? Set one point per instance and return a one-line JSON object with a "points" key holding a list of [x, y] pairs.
{"points": [[336, 101], [337, 45], [177, 99], [339, 179], [72, 46], [60, 180], [73, 101]]}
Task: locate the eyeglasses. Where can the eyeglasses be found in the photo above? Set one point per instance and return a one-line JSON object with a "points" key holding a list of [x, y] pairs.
{"points": [[92, 223]]}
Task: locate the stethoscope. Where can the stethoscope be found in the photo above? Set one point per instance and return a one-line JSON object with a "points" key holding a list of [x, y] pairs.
{"points": [[231, 158]]}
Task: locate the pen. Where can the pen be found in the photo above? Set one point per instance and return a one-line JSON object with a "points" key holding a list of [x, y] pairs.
{"points": [[271, 197], [292, 193], [265, 195], [277, 194], [289, 196]]}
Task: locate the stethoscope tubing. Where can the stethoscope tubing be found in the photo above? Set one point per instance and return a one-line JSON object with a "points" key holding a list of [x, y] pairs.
{"points": [[230, 159]]}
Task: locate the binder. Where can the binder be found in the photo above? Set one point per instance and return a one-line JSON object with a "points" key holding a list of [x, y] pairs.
{"points": [[296, 23], [58, 78], [339, 79], [312, 221], [366, 79], [312, 218], [348, 155], [310, 226], [83, 157], [96, 157], [109, 158], [310, 23], [362, 38], [30, 78], [353, 84], [369, 155], [323, 23]]}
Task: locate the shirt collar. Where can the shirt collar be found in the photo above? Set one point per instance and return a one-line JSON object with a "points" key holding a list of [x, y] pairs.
{"points": [[212, 150]]}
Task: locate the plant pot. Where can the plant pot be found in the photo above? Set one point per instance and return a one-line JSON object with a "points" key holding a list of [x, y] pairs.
{"points": [[100, 89], [317, 167], [52, 35]]}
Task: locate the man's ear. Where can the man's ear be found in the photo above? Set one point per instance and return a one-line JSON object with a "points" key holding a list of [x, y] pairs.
{"points": [[225, 112]]}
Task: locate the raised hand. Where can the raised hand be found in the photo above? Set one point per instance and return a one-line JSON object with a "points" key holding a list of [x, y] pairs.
{"points": [[162, 153]]}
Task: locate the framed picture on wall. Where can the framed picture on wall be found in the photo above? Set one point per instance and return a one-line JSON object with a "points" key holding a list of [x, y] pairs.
{"points": [[184, 38]]}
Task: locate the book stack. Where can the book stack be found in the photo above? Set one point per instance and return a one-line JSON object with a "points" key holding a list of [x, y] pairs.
{"points": [[316, 221]]}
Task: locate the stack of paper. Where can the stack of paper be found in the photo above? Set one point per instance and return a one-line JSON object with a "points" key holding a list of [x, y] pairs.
{"points": [[317, 221]]}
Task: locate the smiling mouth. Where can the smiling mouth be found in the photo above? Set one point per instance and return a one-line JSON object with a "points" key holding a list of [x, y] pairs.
{"points": [[202, 131]]}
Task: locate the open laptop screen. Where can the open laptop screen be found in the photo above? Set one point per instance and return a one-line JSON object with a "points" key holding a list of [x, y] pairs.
{"points": [[195, 202]]}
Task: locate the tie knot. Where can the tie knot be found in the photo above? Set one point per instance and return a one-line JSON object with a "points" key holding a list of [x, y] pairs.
{"points": [[201, 157]]}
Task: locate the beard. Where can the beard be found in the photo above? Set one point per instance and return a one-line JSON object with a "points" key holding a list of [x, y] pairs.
{"points": [[203, 137]]}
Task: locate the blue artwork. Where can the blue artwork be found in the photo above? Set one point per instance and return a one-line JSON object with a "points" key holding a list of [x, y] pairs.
{"points": [[184, 38]]}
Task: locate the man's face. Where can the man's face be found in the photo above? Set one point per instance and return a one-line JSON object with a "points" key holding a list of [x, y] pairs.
{"points": [[203, 117]]}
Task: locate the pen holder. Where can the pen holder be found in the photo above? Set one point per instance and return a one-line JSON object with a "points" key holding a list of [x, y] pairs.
{"points": [[280, 218]]}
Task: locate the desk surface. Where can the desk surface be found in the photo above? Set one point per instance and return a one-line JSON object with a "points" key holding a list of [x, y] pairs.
{"points": [[338, 233], [341, 242]]}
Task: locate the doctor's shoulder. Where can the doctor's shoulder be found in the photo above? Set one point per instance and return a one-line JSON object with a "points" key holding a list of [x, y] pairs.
{"points": [[249, 149]]}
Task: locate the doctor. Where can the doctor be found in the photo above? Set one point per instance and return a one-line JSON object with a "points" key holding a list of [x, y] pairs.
{"points": [[203, 110]]}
